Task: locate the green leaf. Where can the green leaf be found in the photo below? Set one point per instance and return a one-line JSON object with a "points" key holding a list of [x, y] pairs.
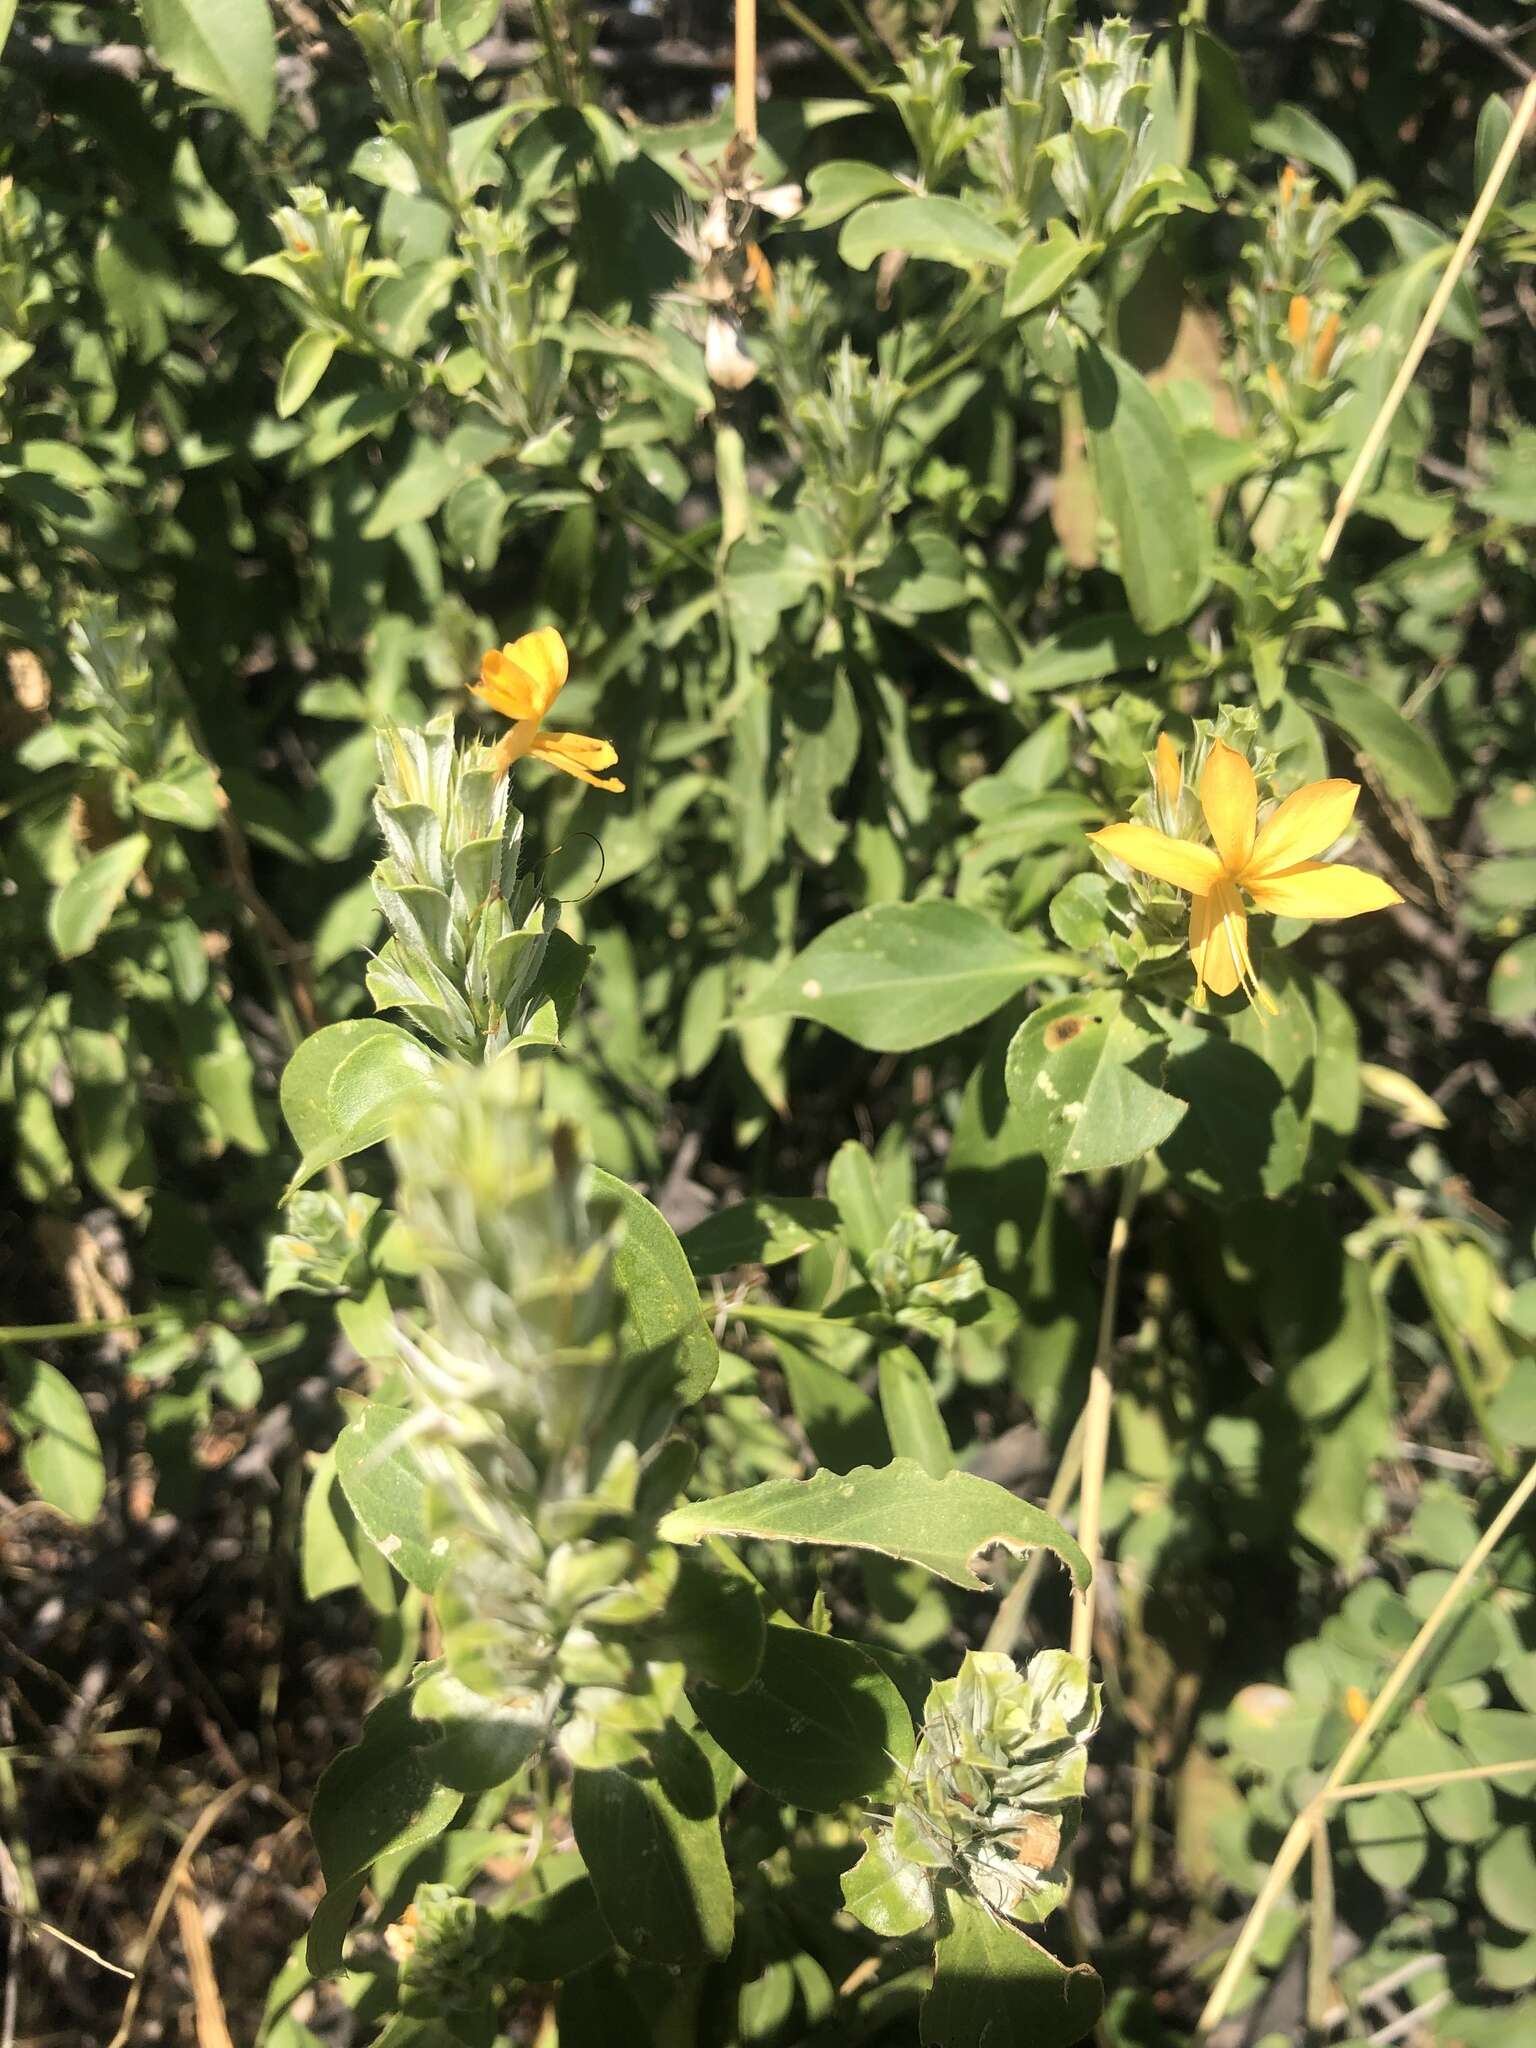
{"points": [[60, 1453], [1493, 126], [764, 1230], [992, 1984], [1089, 650], [224, 48], [864, 1208], [1241, 1137], [841, 1422], [923, 572], [344, 1086], [185, 794], [308, 358], [1506, 1879], [482, 1742], [7, 16], [1411, 765], [901, 975], [82, 909], [713, 1623], [943, 230], [911, 1411], [1389, 1837], [1512, 980], [1081, 1075], [897, 1509], [819, 1725], [834, 189], [380, 1795], [328, 1928], [1291, 131], [386, 1491], [430, 472], [1042, 269], [220, 1068], [889, 1895], [1145, 488], [663, 1326], [650, 1838]]}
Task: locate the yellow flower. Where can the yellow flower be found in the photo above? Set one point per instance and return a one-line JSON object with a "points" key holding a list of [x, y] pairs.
{"points": [[521, 681], [1272, 864]]}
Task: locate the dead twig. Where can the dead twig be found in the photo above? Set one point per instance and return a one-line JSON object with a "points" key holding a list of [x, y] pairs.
{"points": [[1489, 39], [207, 2006], [206, 1821]]}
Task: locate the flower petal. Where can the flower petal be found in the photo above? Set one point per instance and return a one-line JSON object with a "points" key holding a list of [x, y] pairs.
{"points": [[1317, 888], [522, 679], [1306, 824], [1218, 940], [1229, 798], [1194, 868], [1168, 772], [576, 754]]}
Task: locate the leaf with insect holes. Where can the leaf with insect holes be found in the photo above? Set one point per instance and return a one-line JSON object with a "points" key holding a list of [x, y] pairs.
{"points": [[896, 1509]]}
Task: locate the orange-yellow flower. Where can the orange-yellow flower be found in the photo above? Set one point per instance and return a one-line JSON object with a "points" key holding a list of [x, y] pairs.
{"points": [[521, 681], [1273, 864]]}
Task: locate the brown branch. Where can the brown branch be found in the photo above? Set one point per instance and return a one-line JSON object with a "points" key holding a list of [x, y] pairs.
{"points": [[1489, 39]]}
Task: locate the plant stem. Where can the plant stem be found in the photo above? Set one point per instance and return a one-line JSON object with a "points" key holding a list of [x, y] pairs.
{"points": [[41, 1333], [828, 45], [1431, 1781], [1455, 1349], [1460, 256], [1354, 1752], [1192, 18], [1320, 1953], [746, 70], [1096, 1415], [1013, 1611]]}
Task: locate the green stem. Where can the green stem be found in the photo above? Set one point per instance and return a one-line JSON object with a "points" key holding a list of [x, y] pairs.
{"points": [[1455, 1349], [948, 368], [878, 53], [1461, 1362], [41, 1333], [826, 44], [771, 1317], [1192, 18]]}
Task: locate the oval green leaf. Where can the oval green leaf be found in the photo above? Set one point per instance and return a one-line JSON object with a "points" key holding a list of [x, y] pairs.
{"points": [[943, 230], [83, 907], [902, 975], [819, 1725], [1145, 488], [897, 1509]]}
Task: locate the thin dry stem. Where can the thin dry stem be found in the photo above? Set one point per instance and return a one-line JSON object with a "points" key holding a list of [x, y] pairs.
{"points": [[1355, 482], [1430, 1781], [205, 1822], [208, 2006], [746, 70], [1320, 1955], [1008, 1623], [1096, 1417], [1299, 1834]]}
